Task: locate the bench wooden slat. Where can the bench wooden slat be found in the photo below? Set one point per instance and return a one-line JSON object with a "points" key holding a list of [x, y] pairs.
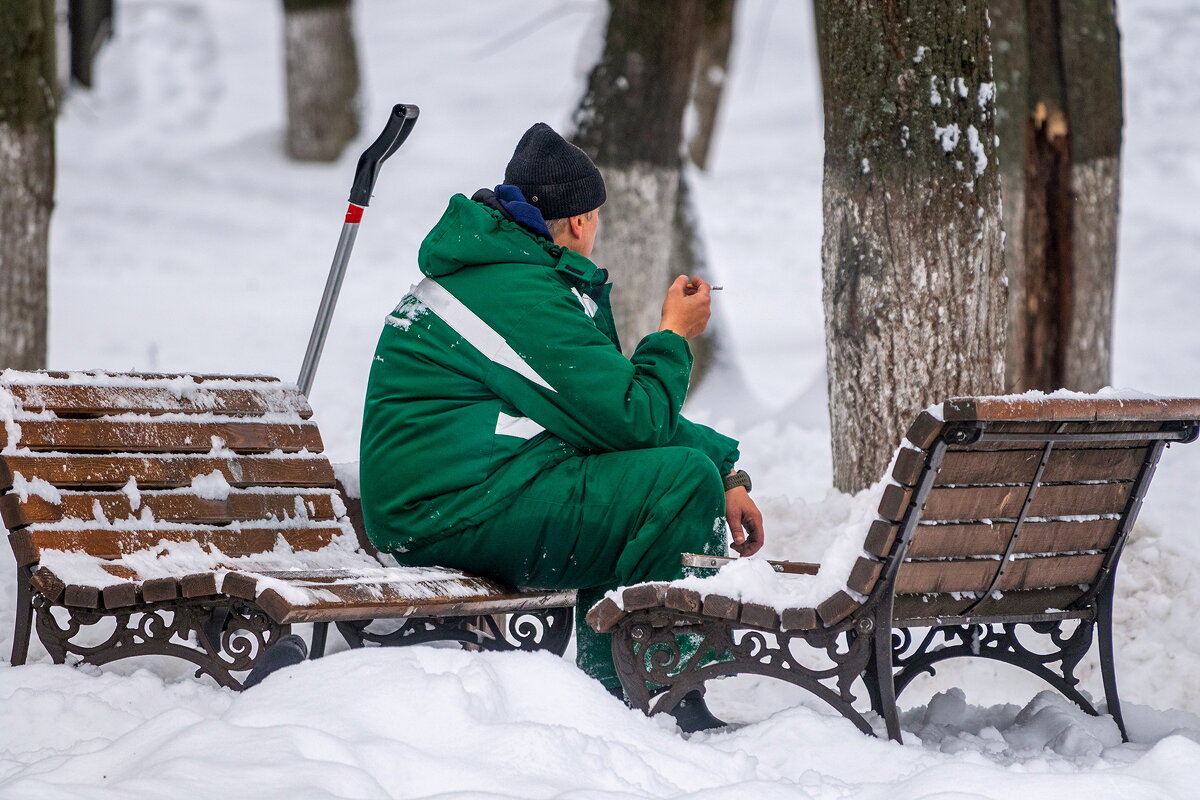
{"points": [[837, 608], [716, 605], [108, 543], [864, 574], [925, 430], [987, 539], [119, 595], [202, 585], [172, 507], [947, 503], [968, 467], [91, 436], [79, 400], [81, 596], [759, 616], [1004, 502], [680, 599], [910, 608], [387, 600], [197, 377], [168, 471], [605, 615], [798, 619], [1056, 408], [45, 583], [360, 593], [644, 595], [976, 575], [909, 465], [880, 538]]}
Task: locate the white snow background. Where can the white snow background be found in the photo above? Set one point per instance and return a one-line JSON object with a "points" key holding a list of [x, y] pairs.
{"points": [[183, 240]]}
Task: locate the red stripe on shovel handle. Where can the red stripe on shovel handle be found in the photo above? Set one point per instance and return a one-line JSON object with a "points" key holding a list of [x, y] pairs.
{"points": [[354, 213]]}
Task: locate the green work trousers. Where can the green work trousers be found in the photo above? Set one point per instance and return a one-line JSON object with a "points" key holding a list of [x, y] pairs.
{"points": [[594, 523]]}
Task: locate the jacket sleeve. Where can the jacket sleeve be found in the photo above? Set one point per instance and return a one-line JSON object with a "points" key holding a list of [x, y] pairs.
{"points": [[589, 394], [720, 448]]}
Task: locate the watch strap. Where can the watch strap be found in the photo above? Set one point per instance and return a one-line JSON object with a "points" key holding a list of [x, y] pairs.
{"points": [[736, 479]]}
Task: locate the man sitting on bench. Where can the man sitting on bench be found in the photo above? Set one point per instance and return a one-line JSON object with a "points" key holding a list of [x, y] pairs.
{"points": [[504, 432]]}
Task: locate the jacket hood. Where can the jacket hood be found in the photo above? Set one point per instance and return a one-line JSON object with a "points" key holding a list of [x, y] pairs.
{"points": [[471, 234]]}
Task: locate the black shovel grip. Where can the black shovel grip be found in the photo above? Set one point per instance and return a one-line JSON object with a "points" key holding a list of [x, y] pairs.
{"points": [[399, 125]]}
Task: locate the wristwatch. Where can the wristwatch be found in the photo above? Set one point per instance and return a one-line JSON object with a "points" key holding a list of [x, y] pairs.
{"points": [[736, 479]]}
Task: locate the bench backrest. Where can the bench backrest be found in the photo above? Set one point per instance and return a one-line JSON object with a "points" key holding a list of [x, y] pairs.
{"points": [[1014, 508], [116, 465]]}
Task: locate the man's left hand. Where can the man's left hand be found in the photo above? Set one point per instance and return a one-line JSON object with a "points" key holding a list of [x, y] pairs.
{"points": [[745, 521]]}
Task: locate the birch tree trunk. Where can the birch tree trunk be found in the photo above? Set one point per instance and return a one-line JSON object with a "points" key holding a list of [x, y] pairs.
{"points": [[1061, 115], [322, 78], [28, 103], [630, 121], [913, 269]]}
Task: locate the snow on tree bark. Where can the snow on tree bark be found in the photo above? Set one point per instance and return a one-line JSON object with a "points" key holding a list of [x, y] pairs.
{"points": [[28, 103], [915, 305], [630, 121], [322, 78], [1060, 117]]}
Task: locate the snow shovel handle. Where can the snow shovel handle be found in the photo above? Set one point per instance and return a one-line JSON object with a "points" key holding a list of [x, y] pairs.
{"points": [[399, 125]]}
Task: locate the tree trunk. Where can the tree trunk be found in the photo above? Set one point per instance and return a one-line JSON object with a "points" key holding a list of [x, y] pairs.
{"points": [[28, 103], [912, 262], [1061, 143], [689, 257], [1010, 60], [322, 78], [630, 122], [712, 69]]}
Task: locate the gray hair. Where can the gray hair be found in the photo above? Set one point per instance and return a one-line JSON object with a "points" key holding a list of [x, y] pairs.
{"points": [[558, 226]]}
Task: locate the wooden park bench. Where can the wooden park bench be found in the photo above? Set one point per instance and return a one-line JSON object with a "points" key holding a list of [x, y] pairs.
{"points": [[195, 516], [1003, 526]]}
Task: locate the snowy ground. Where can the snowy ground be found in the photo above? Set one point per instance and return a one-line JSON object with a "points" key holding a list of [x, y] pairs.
{"points": [[183, 240]]}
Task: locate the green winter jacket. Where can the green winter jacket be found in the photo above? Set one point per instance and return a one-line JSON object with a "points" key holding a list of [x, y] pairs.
{"points": [[501, 363]]}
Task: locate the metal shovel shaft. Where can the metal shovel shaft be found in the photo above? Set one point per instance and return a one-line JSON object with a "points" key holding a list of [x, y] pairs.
{"points": [[333, 286]]}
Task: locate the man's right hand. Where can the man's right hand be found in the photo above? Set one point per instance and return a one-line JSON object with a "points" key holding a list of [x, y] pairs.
{"points": [[687, 307]]}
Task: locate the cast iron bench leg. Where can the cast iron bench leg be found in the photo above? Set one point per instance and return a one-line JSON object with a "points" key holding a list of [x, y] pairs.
{"points": [[319, 635], [24, 627], [1107, 667]]}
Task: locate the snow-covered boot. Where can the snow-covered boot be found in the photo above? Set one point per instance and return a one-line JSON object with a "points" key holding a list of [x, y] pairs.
{"points": [[288, 651], [692, 713]]}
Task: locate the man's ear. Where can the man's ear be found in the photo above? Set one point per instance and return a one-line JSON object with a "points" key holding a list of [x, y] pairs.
{"points": [[576, 223]]}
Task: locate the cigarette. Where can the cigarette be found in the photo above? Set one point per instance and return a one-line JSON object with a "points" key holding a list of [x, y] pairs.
{"points": [[694, 287]]}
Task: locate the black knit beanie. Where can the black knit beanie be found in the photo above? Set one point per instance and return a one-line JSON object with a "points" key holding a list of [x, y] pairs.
{"points": [[554, 175]]}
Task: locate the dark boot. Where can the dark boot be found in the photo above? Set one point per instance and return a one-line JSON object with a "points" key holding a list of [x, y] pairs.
{"points": [[692, 713], [288, 651]]}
